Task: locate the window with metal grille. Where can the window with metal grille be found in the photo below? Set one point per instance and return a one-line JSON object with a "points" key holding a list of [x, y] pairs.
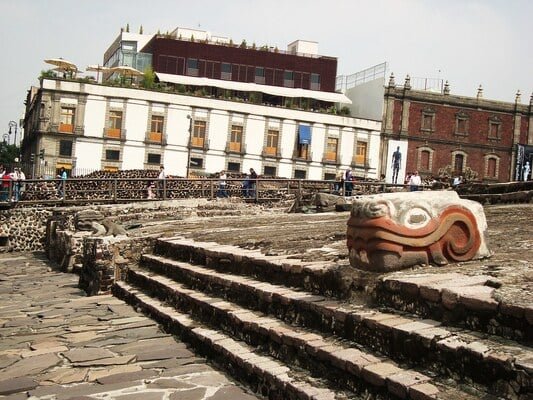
{"points": [[154, 158], [196, 162], [299, 174], [234, 166], [112, 155], [269, 171], [65, 148]]}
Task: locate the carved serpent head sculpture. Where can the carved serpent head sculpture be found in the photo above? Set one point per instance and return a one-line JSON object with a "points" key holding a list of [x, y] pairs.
{"points": [[392, 231]]}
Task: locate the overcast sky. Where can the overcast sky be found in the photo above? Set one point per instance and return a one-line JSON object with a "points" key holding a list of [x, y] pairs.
{"points": [[465, 42]]}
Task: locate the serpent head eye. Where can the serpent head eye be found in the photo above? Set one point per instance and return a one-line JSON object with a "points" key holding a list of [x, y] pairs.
{"points": [[416, 217]]}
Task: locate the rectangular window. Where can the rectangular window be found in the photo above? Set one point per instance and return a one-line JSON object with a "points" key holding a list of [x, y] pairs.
{"points": [[360, 153], [461, 126], [269, 171], [114, 124], [156, 128], [494, 130], [235, 143], [259, 75], [112, 155], [66, 122], [272, 142], [198, 134], [329, 176], [234, 167], [192, 67], [315, 82], [424, 160], [299, 174], [288, 79], [225, 71], [154, 158], [65, 148], [491, 168], [428, 122], [331, 149], [196, 162]]}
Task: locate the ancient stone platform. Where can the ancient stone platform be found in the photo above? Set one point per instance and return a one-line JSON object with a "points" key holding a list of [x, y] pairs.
{"points": [[56, 343]]}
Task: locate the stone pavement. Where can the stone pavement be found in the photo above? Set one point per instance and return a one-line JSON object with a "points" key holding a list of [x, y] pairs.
{"points": [[56, 343]]}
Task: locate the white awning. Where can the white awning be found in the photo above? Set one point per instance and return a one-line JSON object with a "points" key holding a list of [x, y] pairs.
{"points": [[254, 87]]}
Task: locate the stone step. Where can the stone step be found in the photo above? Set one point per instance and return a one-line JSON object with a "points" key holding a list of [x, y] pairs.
{"points": [[263, 374], [459, 300], [319, 277], [365, 375], [465, 301], [503, 366]]}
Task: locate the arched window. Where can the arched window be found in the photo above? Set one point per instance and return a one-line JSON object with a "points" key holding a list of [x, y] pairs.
{"points": [[491, 168], [425, 156], [458, 163]]}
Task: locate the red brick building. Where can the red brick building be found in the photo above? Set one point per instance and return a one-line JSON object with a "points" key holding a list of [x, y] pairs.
{"points": [[439, 130]]}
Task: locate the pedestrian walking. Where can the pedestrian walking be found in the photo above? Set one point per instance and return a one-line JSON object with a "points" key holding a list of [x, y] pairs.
{"points": [[222, 184]]}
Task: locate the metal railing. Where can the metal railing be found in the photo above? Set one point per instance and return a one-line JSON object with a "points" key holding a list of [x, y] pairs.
{"points": [[124, 190]]}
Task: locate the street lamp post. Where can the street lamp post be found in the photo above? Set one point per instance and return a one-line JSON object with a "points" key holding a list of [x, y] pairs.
{"points": [[13, 124], [189, 117]]}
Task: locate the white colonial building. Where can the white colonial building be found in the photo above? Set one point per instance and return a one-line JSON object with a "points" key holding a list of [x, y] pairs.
{"points": [[89, 126], [274, 111]]}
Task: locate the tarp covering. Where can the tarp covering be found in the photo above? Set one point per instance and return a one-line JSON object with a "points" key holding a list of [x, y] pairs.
{"points": [[254, 87]]}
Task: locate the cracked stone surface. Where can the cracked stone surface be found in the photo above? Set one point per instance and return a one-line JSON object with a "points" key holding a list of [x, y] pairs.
{"points": [[56, 343]]}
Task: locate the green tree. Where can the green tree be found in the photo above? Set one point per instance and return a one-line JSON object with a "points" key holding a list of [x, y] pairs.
{"points": [[149, 78], [8, 153]]}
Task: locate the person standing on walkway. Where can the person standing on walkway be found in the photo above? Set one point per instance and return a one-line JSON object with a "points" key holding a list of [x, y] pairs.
{"points": [[348, 184], [161, 181], [62, 183], [253, 183], [222, 184], [414, 182]]}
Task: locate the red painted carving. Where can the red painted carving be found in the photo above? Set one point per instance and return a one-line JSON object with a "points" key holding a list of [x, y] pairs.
{"points": [[378, 242]]}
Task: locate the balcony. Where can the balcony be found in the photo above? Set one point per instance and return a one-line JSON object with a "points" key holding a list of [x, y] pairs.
{"points": [[330, 158], [155, 137], [271, 152], [235, 148], [66, 128], [199, 143], [305, 156], [115, 133]]}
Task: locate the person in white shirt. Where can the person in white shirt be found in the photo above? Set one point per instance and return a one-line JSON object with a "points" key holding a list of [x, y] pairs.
{"points": [[222, 184], [414, 182], [161, 183]]}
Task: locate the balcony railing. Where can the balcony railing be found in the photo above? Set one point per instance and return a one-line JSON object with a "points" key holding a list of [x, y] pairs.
{"points": [[66, 128], [272, 152], [115, 133], [235, 147]]}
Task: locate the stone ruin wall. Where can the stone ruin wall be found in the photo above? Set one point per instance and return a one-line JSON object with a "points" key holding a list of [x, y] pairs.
{"points": [[23, 229]]}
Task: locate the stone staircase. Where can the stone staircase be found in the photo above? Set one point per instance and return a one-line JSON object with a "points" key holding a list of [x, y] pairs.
{"points": [[272, 323]]}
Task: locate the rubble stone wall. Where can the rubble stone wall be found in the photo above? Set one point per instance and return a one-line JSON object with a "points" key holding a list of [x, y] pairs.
{"points": [[23, 229]]}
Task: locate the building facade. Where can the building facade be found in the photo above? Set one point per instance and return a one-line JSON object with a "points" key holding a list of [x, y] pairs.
{"points": [[85, 126], [440, 131]]}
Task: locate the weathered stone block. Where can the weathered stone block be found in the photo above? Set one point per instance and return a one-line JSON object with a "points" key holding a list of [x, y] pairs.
{"points": [[394, 231]]}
